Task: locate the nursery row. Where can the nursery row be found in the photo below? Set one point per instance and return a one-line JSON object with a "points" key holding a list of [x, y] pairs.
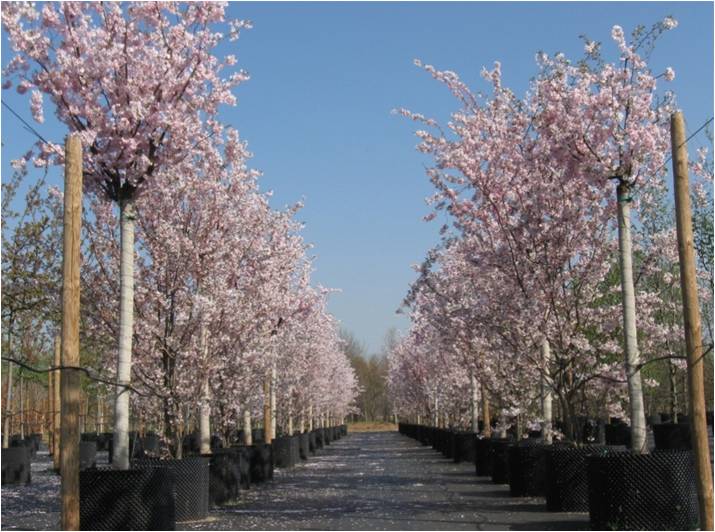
{"points": [[154, 493], [562, 287], [620, 490]]}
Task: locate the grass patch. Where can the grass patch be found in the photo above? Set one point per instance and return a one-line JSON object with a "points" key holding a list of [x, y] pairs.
{"points": [[371, 426]]}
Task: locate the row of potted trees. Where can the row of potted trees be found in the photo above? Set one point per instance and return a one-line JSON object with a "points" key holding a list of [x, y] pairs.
{"points": [[155, 493], [621, 490]]}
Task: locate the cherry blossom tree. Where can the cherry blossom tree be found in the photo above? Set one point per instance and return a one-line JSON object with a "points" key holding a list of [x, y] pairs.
{"points": [[138, 83]]}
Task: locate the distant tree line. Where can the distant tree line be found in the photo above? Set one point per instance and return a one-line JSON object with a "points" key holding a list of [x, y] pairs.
{"points": [[371, 371]]}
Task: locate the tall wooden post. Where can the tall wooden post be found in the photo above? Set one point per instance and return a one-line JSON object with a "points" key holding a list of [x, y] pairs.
{"points": [[486, 417], [70, 388], [57, 437], [691, 318], [267, 421], [50, 411]]}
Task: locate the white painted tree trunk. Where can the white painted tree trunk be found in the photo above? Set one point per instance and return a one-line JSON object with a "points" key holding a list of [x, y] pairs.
{"points": [[22, 409], [301, 423], [546, 395], [100, 414], [205, 418], [310, 418], [633, 374], [247, 430], [435, 417], [419, 419], [205, 411], [120, 459], [274, 381], [474, 402], [8, 406]]}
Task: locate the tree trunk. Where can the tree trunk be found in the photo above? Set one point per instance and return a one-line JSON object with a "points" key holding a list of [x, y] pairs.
{"points": [[673, 392], [633, 374], [310, 418], [474, 402], [120, 458], [100, 414], [546, 396], [8, 407], [205, 408], [247, 430], [435, 416], [205, 418], [22, 406], [301, 423], [274, 379]]}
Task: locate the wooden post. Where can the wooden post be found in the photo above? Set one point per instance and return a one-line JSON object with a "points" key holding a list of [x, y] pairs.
{"points": [[50, 411], [57, 437], [70, 391], [267, 421], [486, 418], [691, 318]]}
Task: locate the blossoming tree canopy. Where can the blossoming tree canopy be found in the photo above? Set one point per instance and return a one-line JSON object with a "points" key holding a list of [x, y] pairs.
{"points": [[136, 80], [526, 183], [140, 84]]}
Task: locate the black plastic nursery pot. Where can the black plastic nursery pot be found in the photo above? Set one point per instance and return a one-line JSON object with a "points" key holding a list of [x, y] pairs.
{"points": [[464, 447], [16, 465], [656, 491], [295, 448], [224, 475], [191, 484], [27, 443], [261, 463], [104, 440], [448, 444], [672, 436], [283, 456], [151, 444], [36, 438], [483, 458], [312, 442], [87, 455], [135, 499], [319, 438], [566, 478], [245, 455], [257, 436], [500, 463], [527, 469], [304, 439], [618, 434]]}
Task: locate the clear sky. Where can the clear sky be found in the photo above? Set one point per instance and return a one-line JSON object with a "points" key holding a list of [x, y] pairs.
{"points": [[316, 114]]}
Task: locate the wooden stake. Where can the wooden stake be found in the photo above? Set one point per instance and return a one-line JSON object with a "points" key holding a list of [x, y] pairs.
{"points": [[50, 411], [691, 318], [56, 378], [70, 391], [267, 421], [486, 418]]}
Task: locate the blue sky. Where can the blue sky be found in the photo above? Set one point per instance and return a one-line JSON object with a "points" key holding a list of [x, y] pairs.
{"points": [[316, 114]]}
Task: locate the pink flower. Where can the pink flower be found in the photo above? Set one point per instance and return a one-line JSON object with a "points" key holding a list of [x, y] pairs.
{"points": [[36, 106], [669, 74]]}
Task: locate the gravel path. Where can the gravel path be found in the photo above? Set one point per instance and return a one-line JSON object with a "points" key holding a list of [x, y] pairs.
{"points": [[365, 481], [384, 481]]}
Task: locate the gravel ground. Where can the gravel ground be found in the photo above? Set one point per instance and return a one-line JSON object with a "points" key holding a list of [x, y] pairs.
{"points": [[384, 481], [365, 481]]}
